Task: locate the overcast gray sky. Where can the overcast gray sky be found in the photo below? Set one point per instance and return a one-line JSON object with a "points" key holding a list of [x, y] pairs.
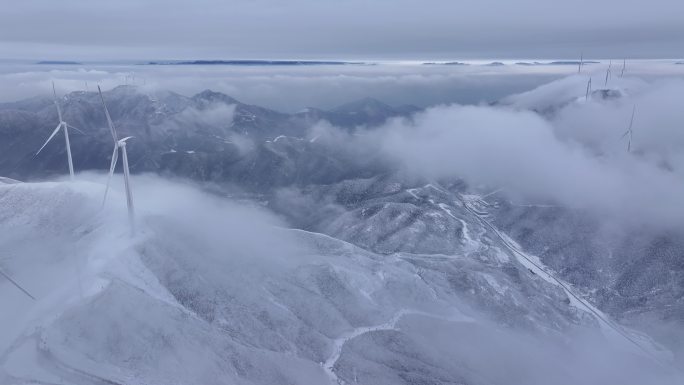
{"points": [[355, 29]]}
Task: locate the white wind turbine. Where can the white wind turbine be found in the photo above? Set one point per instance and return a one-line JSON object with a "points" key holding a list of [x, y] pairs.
{"points": [[581, 63], [119, 144], [609, 72], [628, 133], [586, 97], [64, 126]]}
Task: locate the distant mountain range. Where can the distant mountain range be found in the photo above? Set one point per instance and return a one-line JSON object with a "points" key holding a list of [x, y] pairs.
{"points": [[558, 63], [450, 63], [255, 62], [185, 135], [58, 62]]}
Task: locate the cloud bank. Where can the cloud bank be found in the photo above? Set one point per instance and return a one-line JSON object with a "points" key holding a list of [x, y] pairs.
{"points": [[289, 89], [574, 156]]}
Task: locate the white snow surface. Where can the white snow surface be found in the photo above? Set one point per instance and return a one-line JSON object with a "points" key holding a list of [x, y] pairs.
{"points": [[177, 303], [209, 291]]}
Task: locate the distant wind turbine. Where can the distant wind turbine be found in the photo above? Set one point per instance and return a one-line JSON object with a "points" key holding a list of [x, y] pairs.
{"points": [[628, 133], [579, 68], [608, 72], [62, 125], [119, 144], [588, 89]]}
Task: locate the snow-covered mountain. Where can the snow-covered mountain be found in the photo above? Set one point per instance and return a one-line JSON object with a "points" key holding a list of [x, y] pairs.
{"points": [[201, 132], [214, 292], [277, 248]]}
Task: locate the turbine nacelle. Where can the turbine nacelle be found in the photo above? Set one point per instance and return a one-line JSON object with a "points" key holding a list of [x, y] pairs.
{"points": [[122, 142]]}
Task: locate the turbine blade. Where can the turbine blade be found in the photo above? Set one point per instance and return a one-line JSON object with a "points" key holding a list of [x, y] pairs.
{"points": [[17, 285], [115, 157], [50, 138], [77, 129], [59, 111], [109, 119]]}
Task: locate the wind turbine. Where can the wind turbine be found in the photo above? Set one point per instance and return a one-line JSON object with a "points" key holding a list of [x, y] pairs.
{"points": [[581, 63], [586, 97], [608, 73], [628, 133], [119, 145], [62, 125]]}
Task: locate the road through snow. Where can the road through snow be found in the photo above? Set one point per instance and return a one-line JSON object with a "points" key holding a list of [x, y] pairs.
{"points": [[338, 344], [535, 266]]}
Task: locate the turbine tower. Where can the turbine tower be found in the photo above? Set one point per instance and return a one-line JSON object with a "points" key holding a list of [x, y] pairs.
{"points": [[119, 145], [586, 97], [628, 133], [64, 126], [581, 63]]}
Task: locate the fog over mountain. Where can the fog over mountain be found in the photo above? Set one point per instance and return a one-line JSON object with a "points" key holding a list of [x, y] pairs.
{"points": [[514, 241], [293, 88], [268, 192]]}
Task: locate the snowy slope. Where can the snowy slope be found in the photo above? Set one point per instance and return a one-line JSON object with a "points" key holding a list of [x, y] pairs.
{"points": [[214, 292]]}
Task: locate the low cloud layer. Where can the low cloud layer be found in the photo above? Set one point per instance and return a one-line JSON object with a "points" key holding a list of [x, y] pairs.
{"points": [[290, 89], [574, 155]]}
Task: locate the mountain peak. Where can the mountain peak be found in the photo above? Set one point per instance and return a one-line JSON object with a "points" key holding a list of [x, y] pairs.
{"points": [[213, 96]]}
